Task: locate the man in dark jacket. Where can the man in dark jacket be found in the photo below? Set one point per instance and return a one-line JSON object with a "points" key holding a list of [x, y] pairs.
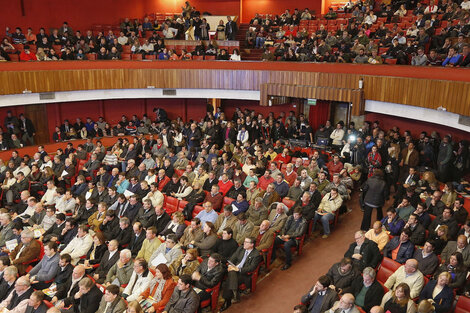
{"points": [[373, 290], [86, 300], [363, 252], [374, 192], [321, 297], [295, 227], [241, 266], [342, 275], [400, 248], [445, 219], [110, 226], [418, 232], [209, 273], [184, 298]]}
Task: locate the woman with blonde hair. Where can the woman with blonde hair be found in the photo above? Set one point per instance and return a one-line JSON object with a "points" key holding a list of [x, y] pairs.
{"points": [[175, 226], [220, 30], [425, 306], [185, 264], [399, 301], [134, 307], [424, 184], [439, 292], [440, 238]]}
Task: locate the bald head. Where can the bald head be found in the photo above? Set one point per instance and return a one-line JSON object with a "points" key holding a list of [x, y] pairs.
{"points": [[411, 266], [376, 309]]}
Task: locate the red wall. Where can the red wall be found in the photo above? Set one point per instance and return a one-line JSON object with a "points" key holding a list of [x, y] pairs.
{"points": [[79, 14], [229, 106], [416, 127], [250, 7], [112, 110], [16, 111], [83, 14], [215, 7]]}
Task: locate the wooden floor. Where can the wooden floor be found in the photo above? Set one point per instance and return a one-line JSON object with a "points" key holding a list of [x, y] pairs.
{"points": [[279, 291]]}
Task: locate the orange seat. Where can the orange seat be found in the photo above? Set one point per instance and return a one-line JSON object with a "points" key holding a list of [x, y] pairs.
{"points": [[227, 201], [126, 49], [14, 57], [289, 203], [463, 305], [126, 56], [150, 57], [181, 205], [137, 56], [91, 56], [170, 205]]}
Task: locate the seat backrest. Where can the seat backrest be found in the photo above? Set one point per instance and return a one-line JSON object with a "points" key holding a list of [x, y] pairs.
{"points": [[197, 209], [181, 205], [171, 205], [390, 264], [288, 203], [463, 305], [227, 200], [383, 274]]}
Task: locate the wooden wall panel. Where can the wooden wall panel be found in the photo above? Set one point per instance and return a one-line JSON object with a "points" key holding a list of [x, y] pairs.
{"points": [[453, 95]]}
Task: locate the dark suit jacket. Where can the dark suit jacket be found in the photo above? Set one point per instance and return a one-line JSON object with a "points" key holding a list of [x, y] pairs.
{"points": [[209, 278], [63, 275], [87, 303], [127, 155], [54, 231], [328, 300], [136, 243], [124, 236], [418, 235], [63, 289], [146, 218], [111, 229], [70, 173], [373, 295], [251, 262], [161, 222], [404, 253], [443, 300], [5, 289], [106, 263], [103, 179], [370, 254]]}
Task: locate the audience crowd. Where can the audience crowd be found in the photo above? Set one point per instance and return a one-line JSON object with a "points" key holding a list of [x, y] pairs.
{"points": [[141, 37], [416, 33], [412, 32], [175, 211]]}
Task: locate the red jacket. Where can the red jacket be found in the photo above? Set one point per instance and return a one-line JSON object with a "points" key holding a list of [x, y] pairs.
{"points": [[27, 56], [224, 187], [162, 182], [280, 158], [334, 168], [216, 201], [263, 182], [290, 178]]}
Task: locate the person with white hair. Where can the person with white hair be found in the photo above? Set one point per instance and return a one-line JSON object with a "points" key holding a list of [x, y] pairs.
{"points": [[24, 253], [18, 299]]}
